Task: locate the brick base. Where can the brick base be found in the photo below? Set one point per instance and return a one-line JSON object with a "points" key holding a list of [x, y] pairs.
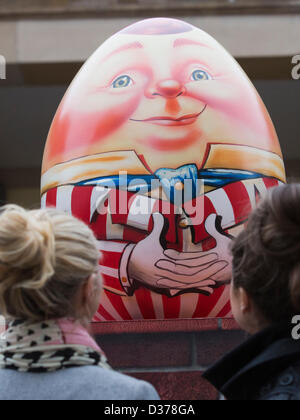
{"points": [[183, 386], [169, 354]]}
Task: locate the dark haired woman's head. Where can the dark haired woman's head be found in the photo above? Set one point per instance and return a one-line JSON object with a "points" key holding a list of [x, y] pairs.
{"points": [[266, 262]]}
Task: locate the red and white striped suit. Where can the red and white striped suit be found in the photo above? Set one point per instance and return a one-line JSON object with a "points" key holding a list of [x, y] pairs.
{"points": [[118, 232]]}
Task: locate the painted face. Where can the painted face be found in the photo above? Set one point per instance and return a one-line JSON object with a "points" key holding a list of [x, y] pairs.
{"points": [[164, 95]]}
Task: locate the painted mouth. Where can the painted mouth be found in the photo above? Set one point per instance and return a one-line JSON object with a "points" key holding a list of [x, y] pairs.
{"points": [[172, 122]]}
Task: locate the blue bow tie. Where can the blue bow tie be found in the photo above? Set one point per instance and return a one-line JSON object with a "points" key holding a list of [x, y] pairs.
{"points": [[179, 182], [172, 179]]}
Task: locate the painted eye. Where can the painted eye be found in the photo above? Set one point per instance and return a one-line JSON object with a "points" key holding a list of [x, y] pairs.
{"points": [[200, 75], [122, 82]]}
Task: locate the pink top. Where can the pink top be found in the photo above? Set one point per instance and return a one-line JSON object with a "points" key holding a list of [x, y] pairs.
{"points": [[75, 334]]}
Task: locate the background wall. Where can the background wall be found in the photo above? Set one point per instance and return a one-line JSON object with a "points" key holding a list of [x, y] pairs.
{"points": [[170, 354], [45, 42]]}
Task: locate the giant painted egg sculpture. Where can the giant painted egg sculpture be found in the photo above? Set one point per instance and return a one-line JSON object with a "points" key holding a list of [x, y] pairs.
{"points": [[163, 146]]}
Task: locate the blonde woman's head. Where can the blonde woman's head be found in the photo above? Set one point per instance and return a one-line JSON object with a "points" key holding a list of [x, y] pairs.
{"points": [[48, 265]]}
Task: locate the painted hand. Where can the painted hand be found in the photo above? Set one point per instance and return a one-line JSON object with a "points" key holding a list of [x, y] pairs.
{"points": [[198, 266], [155, 267]]}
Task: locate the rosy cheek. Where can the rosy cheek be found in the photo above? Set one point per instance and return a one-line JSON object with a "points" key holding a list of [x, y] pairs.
{"points": [[222, 96], [75, 129], [104, 122], [228, 98], [208, 92]]}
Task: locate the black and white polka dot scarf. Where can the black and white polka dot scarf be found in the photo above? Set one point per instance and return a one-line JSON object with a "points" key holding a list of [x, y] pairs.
{"points": [[38, 348]]}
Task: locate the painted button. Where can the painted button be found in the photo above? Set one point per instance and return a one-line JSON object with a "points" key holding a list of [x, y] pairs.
{"points": [[183, 223], [179, 186]]}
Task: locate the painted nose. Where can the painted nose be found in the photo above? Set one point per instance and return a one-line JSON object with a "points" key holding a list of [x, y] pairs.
{"points": [[169, 89]]}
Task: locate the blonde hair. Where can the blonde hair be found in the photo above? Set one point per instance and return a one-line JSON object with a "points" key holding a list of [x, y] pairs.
{"points": [[45, 258]]}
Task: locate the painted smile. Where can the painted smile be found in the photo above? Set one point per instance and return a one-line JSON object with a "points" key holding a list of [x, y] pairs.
{"points": [[172, 122]]}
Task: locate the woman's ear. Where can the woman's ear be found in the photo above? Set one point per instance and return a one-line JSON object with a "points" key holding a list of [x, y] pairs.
{"points": [[244, 301], [88, 288], [250, 317], [91, 296]]}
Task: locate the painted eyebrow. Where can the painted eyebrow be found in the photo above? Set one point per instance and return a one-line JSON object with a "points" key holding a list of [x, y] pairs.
{"points": [[182, 42], [132, 46]]}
